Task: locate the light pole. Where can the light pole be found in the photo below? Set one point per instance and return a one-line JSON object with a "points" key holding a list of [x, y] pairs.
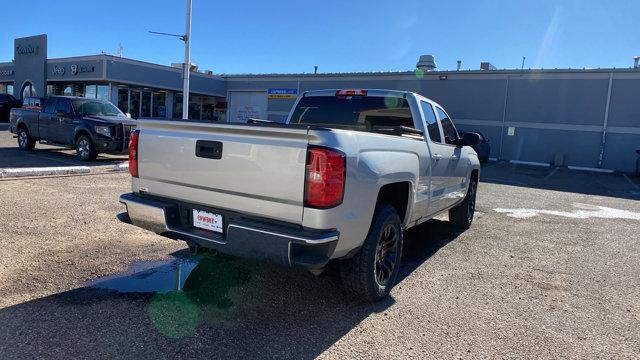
{"points": [[187, 65], [187, 61]]}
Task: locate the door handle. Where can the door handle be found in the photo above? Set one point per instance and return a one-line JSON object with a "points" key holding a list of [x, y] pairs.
{"points": [[437, 157]]}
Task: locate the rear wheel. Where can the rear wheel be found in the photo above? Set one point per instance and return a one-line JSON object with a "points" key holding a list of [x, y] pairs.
{"points": [[24, 141], [372, 272], [461, 216], [85, 148]]}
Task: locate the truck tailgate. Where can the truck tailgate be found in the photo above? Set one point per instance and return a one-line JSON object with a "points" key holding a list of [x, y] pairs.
{"points": [[260, 170]]}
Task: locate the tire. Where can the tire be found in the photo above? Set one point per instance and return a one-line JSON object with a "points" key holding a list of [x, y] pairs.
{"points": [[373, 271], [461, 216], [24, 141], [85, 148]]}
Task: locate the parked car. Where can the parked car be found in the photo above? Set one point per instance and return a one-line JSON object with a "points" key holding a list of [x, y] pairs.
{"points": [[483, 149], [7, 102], [91, 126], [340, 181]]}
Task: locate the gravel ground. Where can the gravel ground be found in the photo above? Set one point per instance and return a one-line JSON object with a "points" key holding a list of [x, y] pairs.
{"points": [[558, 278]]}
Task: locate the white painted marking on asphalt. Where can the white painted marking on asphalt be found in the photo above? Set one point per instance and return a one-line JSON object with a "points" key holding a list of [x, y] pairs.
{"points": [[550, 175], [585, 212], [630, 181], [492, 165]]}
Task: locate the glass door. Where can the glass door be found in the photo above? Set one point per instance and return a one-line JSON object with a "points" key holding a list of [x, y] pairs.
{"points": [[146, 104], [134, 106]]}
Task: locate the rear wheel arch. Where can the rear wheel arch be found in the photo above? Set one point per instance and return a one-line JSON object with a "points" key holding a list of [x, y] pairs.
{"points": [[396, 195]]}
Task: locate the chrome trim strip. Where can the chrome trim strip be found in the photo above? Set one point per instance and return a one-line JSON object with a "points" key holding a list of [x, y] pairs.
{"points": [[305, 240]]}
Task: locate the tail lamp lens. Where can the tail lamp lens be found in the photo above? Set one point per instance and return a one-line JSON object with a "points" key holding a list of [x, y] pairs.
{"points": [[133, 153], [325, 177]]}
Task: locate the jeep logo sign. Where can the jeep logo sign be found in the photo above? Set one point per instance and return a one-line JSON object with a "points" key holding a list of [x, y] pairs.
{"points": [[6, 72], [58, 70]]}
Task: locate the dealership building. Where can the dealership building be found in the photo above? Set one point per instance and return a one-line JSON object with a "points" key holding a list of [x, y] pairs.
{"points": [[586, 118]]}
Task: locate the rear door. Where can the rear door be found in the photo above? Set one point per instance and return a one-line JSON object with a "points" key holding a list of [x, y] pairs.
{"points": [[63, 129], [47, 121], [456, 168], [440, 161]]}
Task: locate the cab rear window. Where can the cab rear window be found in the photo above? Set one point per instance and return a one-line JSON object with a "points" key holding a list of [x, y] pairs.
{"points": [[355, 112]]}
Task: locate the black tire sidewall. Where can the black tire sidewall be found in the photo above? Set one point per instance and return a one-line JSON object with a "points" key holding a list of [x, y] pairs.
{"points": [[26, 145], [390, 217]]}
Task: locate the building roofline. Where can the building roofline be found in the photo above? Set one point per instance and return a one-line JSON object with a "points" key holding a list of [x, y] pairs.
{"points": [[108, 57], [444, 72]]}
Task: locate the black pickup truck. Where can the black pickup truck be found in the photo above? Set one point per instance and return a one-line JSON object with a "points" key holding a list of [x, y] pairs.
{"points": [[7, 102], [91, 126]]}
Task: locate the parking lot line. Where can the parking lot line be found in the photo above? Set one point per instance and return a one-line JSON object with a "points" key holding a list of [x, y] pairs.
{"points": [[550, 175], [631, 181]]}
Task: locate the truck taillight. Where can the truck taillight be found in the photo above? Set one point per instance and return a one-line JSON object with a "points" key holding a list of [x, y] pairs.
{"points": [[351, 92], [133, 153], [326, 171]]}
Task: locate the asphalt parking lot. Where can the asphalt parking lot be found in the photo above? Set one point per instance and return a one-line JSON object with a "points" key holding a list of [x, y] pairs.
{"points": [[44, 155], [549, 269]]}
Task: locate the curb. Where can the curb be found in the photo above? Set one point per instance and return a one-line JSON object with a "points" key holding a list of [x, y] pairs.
{"points": [[43, 171], [520, 162], [583, 168], [121, 167]]}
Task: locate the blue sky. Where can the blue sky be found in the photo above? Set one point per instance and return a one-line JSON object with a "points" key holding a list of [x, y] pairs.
{"points": [[245, 36]]}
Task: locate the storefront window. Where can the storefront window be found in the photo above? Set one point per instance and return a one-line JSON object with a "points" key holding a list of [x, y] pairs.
{"points": [[54, 89], [78, 90], [177, 106], [103, 92], [90, 91], [134, 109], [159, 105], [195, 105], [123, 100], [10, 89], [146, 104]]}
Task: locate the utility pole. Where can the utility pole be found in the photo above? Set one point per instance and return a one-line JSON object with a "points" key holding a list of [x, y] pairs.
{"points": [[187, 65]]}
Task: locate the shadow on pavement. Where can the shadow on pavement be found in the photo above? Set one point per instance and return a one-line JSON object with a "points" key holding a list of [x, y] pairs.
{"points": [[562, 179], [227, 308], [45, 155]]}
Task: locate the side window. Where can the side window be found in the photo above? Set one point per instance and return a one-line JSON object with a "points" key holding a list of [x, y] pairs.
{"points": [[49, 105], [450, 134], [64, 106], [432, 123]]}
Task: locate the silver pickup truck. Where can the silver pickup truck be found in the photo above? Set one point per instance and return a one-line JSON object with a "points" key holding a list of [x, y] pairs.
{"points": [[340, 181]]}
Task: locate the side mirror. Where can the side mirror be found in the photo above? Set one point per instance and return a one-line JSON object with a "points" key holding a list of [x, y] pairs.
{"points": [[470, 139], [128, 115]]}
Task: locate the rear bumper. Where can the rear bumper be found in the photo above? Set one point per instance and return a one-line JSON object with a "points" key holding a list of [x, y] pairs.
{"points": [[243, 236]]}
